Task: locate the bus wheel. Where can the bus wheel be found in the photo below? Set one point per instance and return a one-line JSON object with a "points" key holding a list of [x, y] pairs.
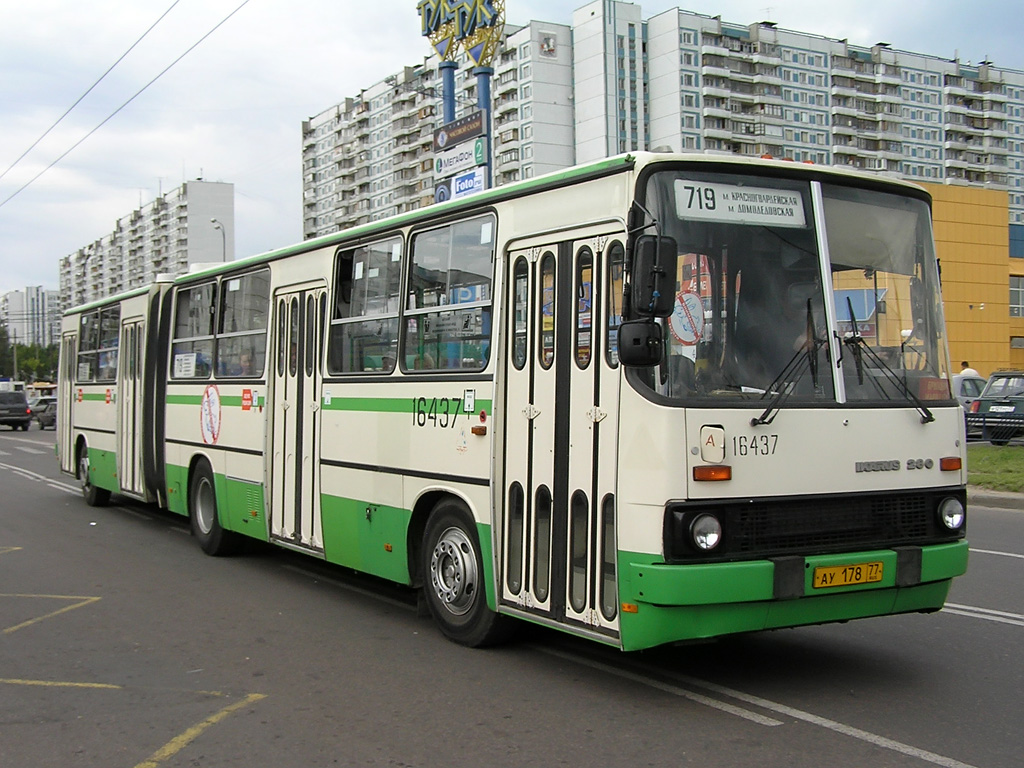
{"points": [[94, 497], [202, 505], [453, 582]]}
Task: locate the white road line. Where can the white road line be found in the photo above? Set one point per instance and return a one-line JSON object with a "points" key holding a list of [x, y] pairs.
{"points": [[994, 552], [676, 690], [26, 449], [1000, 617], [832, 725]]}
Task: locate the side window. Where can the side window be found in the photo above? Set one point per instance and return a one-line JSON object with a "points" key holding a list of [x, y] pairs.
{"points": [[106, 354], [192, 347], [88, 343], [584, 305], [242, 326], [521, 313], [546, 307], [616, 259], [364, 322], [448, 314]]}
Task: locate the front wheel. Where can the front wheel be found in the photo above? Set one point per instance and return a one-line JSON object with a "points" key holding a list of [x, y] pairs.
{"points": [[203, 519], [453, 581], [94, 497]]}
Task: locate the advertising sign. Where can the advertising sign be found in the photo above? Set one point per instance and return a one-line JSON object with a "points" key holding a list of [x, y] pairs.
{"points": [[460, 158], [468, 183], [458, 131], [443, 191]]}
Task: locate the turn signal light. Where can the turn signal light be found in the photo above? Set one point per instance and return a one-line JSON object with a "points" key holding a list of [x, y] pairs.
{"points": [[950, 463], [713, 472]]}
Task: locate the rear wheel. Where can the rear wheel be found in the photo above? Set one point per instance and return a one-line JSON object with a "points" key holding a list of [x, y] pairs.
{"points": [[996, 435], [453, 579], [94, 497], [203, 519]]}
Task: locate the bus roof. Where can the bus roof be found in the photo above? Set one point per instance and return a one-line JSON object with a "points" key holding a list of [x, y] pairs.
{"points": [[573, 175]]}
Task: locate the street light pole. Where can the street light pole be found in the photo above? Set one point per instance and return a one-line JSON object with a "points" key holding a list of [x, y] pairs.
{"points": [[223, 239]]}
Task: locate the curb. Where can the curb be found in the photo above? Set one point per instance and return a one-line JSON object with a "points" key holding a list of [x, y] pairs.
{"points": [[1004, 499]]}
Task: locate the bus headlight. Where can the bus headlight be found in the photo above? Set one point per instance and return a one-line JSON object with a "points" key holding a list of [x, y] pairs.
{"points": [[705, 532], [951, 513]]}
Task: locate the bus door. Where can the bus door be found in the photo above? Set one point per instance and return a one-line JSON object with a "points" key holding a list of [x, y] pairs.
{"points": [[296, 365], [129, 406], [66, 401], [561, 393]]}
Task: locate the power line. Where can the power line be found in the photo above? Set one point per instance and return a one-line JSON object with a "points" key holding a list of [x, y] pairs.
{"points": [[130, 100], [79, 99]]}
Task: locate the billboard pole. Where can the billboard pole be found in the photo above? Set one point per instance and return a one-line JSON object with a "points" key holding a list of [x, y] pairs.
{"points": [[483, 101]]}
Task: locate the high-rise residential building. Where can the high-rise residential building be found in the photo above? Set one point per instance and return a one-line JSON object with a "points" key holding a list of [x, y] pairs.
{"points": [[371, 156], [614, 82], [191, 224], [31, 316]]}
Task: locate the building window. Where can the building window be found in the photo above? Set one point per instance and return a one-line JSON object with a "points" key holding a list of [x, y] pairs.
{"points": [[1016, 296]]}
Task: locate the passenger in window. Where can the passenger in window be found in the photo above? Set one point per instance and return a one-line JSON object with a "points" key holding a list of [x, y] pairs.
{"points": [[246, 364]]}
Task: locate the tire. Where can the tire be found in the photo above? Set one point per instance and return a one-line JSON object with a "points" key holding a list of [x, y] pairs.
{"points": [[94, 497], [996, 436], [203, 518], [25, 426], [453, 579]]}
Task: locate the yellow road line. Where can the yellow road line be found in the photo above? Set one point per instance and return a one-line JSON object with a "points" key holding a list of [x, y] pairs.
{"points": [[5, 550], [30, 622], [56, 683], [181, 741]]}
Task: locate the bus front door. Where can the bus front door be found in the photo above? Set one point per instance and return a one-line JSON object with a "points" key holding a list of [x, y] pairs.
{"points": [[558, 542], [129, 407], [294, 476]]}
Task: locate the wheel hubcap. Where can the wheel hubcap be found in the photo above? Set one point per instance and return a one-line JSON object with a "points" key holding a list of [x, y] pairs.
{"points": [[83, 472], [205, 505], [453, 572]]}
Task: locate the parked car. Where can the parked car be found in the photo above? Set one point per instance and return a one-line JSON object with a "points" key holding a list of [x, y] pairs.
{"points": [[45, 412], [14, 410], [966, 389], [999, 410]]}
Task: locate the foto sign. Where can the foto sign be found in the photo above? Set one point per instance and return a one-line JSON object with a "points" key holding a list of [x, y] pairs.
{"points": [[468, 183]]}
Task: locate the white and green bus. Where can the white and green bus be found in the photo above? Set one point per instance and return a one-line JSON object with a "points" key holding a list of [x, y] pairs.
{"points": [[651, 399]]}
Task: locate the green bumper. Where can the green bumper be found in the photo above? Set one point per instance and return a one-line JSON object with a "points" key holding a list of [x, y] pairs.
{"points": [[667, 603]]}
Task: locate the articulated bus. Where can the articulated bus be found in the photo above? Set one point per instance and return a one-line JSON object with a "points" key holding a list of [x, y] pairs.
{"points": [[652, 399]]}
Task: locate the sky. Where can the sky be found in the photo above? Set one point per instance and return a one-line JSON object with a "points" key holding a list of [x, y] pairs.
{"points": [[232, 108]]}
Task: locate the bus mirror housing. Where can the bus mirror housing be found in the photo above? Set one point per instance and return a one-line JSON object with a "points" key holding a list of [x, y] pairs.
{"points": [[654, 276], [641, 343]]}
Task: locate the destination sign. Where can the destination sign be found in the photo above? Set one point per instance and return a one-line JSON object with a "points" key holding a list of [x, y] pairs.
{"points": [[736, 204]]}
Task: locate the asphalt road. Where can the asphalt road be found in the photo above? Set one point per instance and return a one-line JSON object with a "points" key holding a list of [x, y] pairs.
{"points": [[122, 645]]}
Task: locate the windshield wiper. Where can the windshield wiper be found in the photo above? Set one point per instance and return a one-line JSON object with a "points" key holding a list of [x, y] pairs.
{"points": [[806, 358], [861, 348]]}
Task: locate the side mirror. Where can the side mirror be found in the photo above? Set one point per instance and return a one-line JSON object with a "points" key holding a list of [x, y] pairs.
{"points": [[641, 343], [653, 278]]}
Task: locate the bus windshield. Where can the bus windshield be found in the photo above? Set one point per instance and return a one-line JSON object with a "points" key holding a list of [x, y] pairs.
{"points": [[767, 307]]}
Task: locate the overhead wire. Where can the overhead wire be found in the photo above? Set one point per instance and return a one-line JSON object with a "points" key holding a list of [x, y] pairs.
{"points": [[88, 91], [125, 104]]}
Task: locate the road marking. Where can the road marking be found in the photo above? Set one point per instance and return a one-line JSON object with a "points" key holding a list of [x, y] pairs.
{"points": [[824, 722], [84, 601], [5, 550], [771, 706], [181, 741], [994, 552], [667, 688], [34, 451], [1000, 617], [59, 684]]}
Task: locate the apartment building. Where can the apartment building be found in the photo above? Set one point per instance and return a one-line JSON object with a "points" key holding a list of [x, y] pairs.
{"points": [[31, 316], [371, 156], [191, 224]]}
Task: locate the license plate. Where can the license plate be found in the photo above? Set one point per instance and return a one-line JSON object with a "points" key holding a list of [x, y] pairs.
{"points": [[1001, 409], [847, 575]]}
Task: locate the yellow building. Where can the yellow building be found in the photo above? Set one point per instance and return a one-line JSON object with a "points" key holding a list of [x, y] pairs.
{"points": [[973, 244]]}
